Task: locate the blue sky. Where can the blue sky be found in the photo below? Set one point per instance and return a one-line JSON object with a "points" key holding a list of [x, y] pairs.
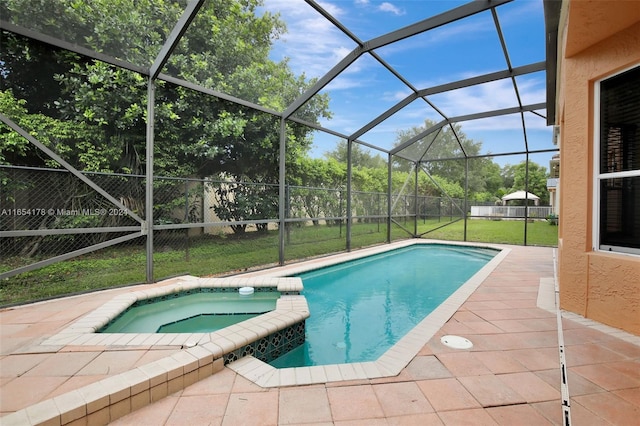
{"points": [[446, 54]]}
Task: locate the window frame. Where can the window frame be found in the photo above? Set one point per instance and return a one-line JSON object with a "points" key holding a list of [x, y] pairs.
{"points": [[598, 177]]}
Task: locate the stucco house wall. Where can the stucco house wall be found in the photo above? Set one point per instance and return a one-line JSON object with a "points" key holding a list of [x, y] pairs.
{"points": [[596, 39]]}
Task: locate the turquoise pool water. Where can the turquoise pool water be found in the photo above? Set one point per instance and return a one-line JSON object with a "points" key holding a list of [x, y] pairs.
{"points": [[360, 309], [197, 312]]}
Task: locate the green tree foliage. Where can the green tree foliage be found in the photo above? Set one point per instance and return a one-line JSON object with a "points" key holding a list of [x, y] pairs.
{"points": [[317, 188], [359, 156], [226, 49], [537, 180], [450, 145]]}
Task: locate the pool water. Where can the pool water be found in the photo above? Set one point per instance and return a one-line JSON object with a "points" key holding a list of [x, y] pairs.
{"points": [[361, 308], [192, 313]]}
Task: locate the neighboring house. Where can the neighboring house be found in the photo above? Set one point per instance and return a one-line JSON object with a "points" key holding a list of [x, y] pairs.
{"points": [[595, 102], [554, 179], [554, 195]]}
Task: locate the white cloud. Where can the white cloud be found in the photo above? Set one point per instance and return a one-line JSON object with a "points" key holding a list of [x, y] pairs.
{"points": [[312, 44], [388, 7]]}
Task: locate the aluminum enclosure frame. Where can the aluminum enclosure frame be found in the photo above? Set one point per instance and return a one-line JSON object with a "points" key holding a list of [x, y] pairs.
{"points": [[154, 72]]}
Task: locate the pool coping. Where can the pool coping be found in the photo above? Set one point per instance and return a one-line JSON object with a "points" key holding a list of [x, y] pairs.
{"points": [[395, 358]]}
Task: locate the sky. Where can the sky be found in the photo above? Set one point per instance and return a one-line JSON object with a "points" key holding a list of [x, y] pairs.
{"points": [[466, 48]]}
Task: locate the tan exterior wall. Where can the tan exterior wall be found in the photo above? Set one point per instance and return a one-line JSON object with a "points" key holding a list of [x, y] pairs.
{"points": [[597, 285]]}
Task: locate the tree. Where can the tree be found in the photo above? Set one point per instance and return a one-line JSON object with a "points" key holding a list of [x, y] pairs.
{"points": [[319, 187], [537, 180], [359, 157], [450, 145], [226, 48]]}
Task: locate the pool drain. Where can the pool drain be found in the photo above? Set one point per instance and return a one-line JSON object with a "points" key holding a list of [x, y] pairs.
{"points": [[456, 342]]}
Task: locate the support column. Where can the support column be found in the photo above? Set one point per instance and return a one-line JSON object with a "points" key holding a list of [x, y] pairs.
{"points": [[148, 224], [349, 216], [389, 169], [466, 194], [526, 197], [415, 202], [282, 190]]}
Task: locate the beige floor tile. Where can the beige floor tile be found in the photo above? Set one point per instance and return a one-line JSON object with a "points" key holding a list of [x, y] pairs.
{"points": [[499, 362], [17, 365], [629, 395], [75, 382], [512, 326], [427, 367], [482, 327], [42, 328], [590, 354], [531, 387], [466, 316], [630, 368], [111, 362], [62, 364], [538, 359], [626, 349], [611, 408], [447, 394], [550, 410], [154, 355], [11, 345], [24, 391], [153, 414], [240, 385], [498, 341], [606, 377], [577, 384], [218, 383], [361, 422], [471, 417], [521, 415], [425, 419], [490, 391], [254, 408], [354, 402], [583, 417], [456, 328], [198, 410], [463, 363], [304, 405], [399, 399]]}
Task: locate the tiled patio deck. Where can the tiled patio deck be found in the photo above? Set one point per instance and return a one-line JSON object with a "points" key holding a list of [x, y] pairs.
{"points": [[511, 376]]}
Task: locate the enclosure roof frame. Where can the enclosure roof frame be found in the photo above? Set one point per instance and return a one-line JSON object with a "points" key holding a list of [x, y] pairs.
{"points": [[551, 9]]}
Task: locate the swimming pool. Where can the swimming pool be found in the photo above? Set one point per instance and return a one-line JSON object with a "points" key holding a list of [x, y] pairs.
{"points": [[361, 308], [242, 346]]}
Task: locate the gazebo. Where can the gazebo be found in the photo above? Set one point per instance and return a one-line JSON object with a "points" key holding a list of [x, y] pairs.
{"points": [[520, 195]]}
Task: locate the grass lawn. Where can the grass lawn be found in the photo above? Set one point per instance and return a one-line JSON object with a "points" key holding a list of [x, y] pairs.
{"points": [[539, 233], [224, 255]]}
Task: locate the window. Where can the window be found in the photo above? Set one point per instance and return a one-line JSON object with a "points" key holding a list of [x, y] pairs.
{"points": [[618, 166]]}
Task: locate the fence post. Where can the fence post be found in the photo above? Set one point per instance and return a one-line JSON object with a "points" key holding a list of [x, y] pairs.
{"points": [[466, 194], [186, 217], [349, 182], [287, 201], [389, 183]]}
